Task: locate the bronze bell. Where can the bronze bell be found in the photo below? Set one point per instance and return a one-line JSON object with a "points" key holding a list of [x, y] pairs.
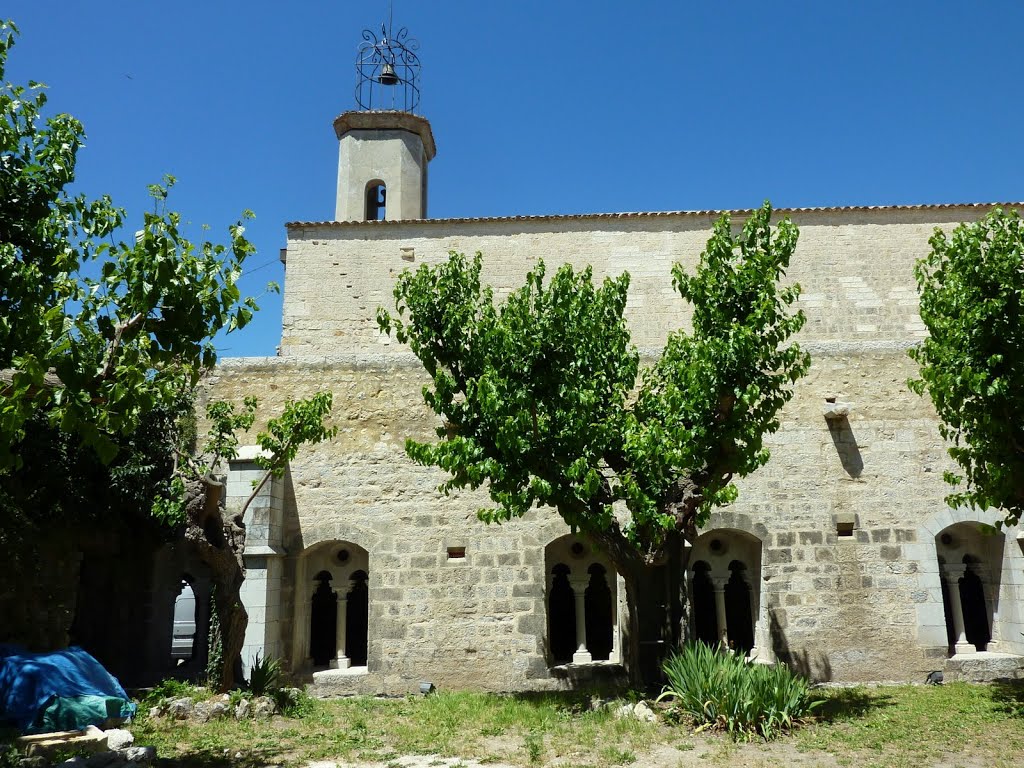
{"points": [[387, 75]]}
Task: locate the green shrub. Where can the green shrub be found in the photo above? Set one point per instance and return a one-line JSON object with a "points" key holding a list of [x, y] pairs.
{"points": [[293, 702], [721, 689], [264, 675], [171, 688]]}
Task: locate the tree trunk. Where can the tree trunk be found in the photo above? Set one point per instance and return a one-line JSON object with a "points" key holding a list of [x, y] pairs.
{"points": [[655, 600], [219, 543]]}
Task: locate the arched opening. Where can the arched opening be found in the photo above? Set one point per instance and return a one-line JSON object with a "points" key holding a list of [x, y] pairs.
{"points": [[970, 564], [582, 603], [358, 619], [705, 623], [598, 610], [323, 621], [561, 616], [332, 621], [737, 609], [183, 633], [725, 590], [376, 200]]}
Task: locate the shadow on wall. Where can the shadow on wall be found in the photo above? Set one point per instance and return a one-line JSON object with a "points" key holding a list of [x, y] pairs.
{"points": [[846, 445], [818, 668]]}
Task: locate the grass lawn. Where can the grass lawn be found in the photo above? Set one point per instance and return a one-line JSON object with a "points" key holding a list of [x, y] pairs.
{"points": [[953, 726]]}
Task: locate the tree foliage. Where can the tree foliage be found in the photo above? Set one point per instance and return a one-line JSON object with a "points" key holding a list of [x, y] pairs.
{"points": [[543, 401], [536, 392], [96, 328], [972, 363], [103, 338]]}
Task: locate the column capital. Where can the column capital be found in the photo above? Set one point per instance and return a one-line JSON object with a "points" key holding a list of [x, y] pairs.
{"points": [[719, 582], [579, 582], [953, 572]]}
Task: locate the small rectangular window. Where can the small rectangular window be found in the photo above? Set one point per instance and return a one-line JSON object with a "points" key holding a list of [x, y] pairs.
{"points": [[844, 529], [456, 553]]}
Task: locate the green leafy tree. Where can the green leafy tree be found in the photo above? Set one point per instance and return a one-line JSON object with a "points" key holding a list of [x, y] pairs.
{"points": [[95, 331], [972, 363], [537, 398], [103, 339]]}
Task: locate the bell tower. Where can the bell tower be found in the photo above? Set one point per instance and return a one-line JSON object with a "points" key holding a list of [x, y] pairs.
{"points": [[384, 147]]}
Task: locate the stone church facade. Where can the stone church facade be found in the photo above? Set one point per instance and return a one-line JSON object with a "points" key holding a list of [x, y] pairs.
{"points": [[839, 557]]}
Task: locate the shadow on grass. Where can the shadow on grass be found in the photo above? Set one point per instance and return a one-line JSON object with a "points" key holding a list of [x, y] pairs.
{"points": [[577, 701], [1008, 696], [840, 704], [210, 759]]}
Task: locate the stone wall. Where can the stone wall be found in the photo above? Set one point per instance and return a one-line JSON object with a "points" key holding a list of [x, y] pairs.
{"points": [[855, 267], [847, 608], [866, 606]]}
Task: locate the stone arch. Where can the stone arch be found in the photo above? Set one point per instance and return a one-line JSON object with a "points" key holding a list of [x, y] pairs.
{"points": [[582, 588], [1004, 592], [970, 567], [327, 575], [725, 594]]}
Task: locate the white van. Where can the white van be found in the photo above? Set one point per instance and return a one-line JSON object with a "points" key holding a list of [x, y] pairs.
{"points": [[184, 634]]}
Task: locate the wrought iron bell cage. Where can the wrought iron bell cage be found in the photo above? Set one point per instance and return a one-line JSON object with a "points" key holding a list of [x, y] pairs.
{"points": [[388, 70]]}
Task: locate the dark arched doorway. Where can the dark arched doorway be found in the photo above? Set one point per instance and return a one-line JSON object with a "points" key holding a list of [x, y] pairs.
{"points": [[737, 609], [561, 615], [598, 613], [323, 624], [357, 620], [705, 620], [972, 600]]}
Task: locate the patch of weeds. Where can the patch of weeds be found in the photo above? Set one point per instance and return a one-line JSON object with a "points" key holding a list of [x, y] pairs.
{"points": [[534, 746], [617, 756], [10, 757], [685, 746], [173, 689], [295, 703]]}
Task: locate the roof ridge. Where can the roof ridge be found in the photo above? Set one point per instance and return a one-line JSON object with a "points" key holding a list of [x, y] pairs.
{"points": [[657, 214]]}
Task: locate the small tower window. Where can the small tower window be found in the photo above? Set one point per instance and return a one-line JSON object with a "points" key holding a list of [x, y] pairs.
{"points": [[376, 201]]}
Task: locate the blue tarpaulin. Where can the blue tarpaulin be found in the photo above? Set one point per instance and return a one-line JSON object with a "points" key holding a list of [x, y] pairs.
{"points": [[70, 683]]}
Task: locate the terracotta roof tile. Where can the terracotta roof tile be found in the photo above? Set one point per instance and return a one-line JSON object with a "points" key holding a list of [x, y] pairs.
{"points": [[654, 214]]}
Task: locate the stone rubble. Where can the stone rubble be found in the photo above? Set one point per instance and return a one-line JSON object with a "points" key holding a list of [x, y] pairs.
{"points": [[113, 748]]}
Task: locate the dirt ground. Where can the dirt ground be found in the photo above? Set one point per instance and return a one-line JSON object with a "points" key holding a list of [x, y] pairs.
{"points": [[696, 752]]}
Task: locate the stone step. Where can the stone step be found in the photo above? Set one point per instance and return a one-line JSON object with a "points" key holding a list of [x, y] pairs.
{"points": [[983, 667]]}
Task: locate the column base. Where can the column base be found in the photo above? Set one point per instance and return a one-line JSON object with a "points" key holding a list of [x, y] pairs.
{"points": [[341, 662], [961, 649], [582, 657]]}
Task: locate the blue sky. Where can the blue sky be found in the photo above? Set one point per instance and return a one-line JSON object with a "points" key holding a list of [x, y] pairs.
{"points": [[539, 106]]}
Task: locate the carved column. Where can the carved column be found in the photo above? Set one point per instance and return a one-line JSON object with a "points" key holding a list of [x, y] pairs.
{"points": [[719, 583], [341, 661], [616, 654], [582, 655], [952, 574]]}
